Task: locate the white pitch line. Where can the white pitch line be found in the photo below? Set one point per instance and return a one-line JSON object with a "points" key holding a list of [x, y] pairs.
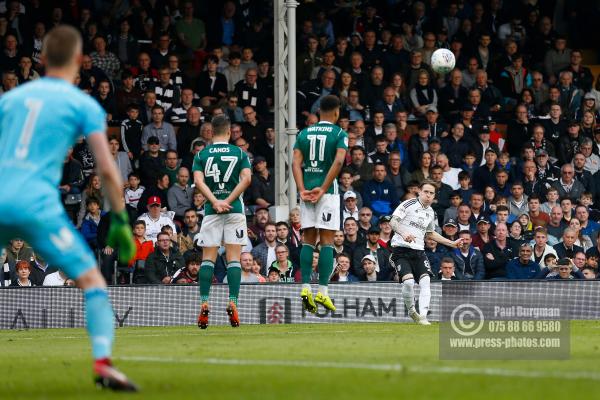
{"points": [[379, 367], [200, 334]]}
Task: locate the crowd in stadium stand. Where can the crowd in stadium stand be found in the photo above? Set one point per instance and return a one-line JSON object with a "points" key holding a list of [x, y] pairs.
{"points": [[510, 136]]}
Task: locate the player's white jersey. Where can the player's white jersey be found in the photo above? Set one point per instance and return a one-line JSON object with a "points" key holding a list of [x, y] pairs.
{"points": [[415, 220]]}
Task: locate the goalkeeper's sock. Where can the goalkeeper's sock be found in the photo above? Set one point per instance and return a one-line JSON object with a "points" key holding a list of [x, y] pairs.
{"points": [[100, 323], [234, 278], [424, 295], [306, 257], [408, 293], [207, 270], [325, 267]]}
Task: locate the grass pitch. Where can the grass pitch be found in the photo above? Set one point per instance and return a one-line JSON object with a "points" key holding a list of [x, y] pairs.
{"points": [[340, 361]]}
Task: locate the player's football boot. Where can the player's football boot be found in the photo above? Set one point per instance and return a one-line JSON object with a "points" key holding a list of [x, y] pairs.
{"points": [[414, 315], [108, 377], [307, 301], [234, 318], [203, 317], [325, 301], [423, 320]]}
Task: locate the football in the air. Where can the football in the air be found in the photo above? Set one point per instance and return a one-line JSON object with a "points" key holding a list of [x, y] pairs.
{"points": [[442, 61]]}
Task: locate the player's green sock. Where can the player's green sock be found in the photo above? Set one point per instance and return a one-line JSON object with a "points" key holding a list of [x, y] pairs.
{"points": [[205, 275], [234, 277], [306, 257], [325, 267]]}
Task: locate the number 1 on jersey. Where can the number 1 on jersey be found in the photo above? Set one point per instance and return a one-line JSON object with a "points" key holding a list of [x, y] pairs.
{"points": [[34, 107], [313, 139]]}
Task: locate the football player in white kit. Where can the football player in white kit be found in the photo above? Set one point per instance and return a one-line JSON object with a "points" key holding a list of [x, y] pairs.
{"points": [[412, 220]]}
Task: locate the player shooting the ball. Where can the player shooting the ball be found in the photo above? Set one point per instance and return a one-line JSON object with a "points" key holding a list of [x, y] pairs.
{"points": [[412, 220]]}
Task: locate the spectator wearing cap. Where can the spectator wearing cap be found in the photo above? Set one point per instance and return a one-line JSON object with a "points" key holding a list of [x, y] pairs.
{"points": [[262, 190], [350, 208], [379, 254], [450, 229], [485, 175], [523, 267], [483, 235], [468, 259], [369, 272], [386, 231], [436, 128], [482, 144], [256, 231], [155, 219], [565, 269], [380, 194]]}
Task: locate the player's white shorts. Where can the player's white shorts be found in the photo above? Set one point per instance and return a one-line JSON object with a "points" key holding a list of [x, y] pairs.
{"points": [[218, 229], [325, 214]]}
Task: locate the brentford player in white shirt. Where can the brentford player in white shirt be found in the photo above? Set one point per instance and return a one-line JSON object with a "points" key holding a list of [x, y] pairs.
{"points": [[412, 221]]}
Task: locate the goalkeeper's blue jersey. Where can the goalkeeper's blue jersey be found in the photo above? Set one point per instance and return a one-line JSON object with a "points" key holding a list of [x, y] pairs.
{"points": [[39, 122]]}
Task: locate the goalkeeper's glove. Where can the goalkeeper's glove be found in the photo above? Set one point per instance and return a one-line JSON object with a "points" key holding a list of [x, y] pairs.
{"points": [[120, 236]]}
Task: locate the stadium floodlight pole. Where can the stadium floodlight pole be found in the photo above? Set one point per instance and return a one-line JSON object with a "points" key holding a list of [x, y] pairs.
{"points": [[292, 129]]}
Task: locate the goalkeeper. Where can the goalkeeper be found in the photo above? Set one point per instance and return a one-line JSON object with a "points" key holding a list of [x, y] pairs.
{"points": [[39, 121]]}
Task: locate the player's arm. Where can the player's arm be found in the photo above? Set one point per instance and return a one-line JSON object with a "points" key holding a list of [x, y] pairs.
{"points": [[245, 180], [334, 171], [397, 218], [442, 240], [219, 205], [297, 162]]}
